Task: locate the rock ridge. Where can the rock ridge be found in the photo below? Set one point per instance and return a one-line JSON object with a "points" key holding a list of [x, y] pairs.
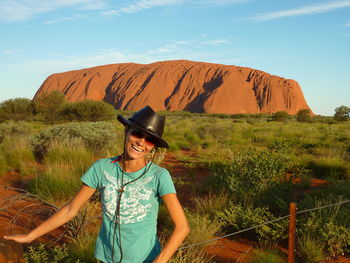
{"points": [[180, 85]]}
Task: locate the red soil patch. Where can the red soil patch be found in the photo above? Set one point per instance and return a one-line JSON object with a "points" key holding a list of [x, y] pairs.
{"points": [[20, 212]]}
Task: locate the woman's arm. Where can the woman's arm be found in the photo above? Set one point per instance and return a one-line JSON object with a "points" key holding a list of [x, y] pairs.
{"points": [[59, 218], [181, 229]]}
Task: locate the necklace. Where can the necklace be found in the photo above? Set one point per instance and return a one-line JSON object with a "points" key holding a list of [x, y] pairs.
{"points": [[117, 211]]}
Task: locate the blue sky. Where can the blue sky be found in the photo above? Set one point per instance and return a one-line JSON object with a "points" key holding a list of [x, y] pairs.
{"points": [[308, 41]]}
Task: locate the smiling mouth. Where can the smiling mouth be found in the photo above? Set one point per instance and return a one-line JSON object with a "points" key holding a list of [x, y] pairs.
{"points": [[137, 149]]}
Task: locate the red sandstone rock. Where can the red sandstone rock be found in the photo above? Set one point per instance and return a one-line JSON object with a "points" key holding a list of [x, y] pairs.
{"points": [[180, 85]]}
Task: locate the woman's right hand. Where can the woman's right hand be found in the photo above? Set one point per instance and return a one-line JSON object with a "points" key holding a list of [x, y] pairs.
{"points": [[19, 238]]}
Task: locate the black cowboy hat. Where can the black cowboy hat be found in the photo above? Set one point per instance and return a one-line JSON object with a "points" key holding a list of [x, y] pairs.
{"points": [[148, 121]]}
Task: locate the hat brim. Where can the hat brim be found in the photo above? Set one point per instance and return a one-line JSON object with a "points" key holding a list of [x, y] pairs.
{"points": [[160, 142]]}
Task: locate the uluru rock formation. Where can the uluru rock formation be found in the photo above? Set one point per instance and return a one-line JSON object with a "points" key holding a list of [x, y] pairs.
{"points": [[180, 85]]}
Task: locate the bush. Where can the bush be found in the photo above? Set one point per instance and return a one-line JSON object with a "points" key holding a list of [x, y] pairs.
{"points": [[48, 105], [280, 116], [208, 205], [236, 218], [265, 256], [98, 137], [332, 168], [252, 172], [14, 129], [60, 178], [331, 225], [18, 156], [193, 255], [304, 115], [44, 254], [202, 228], [88, 110], [310, 250], [18, 109], [342, 113]]}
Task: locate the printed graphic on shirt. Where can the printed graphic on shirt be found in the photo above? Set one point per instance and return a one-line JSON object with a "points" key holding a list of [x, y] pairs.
{"points": [[131, 208]]}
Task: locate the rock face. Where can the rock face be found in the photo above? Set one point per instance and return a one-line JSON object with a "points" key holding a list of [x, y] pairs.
{"points": [[180, 85]]}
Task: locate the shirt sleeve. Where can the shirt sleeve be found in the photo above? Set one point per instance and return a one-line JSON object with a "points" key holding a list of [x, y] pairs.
{"points": [[165, 183], [92, 176]]}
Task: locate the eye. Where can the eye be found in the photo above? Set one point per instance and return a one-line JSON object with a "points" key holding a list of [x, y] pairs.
{"points": [[137, 133]]}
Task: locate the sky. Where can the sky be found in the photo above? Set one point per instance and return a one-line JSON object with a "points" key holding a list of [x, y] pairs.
{"points": [[304, 40]]}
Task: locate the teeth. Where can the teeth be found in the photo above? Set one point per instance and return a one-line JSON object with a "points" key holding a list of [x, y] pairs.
{"points": [[136, 149]]}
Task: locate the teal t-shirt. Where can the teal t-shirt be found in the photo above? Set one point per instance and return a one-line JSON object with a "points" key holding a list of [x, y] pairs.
{"points": [[138, 210]]}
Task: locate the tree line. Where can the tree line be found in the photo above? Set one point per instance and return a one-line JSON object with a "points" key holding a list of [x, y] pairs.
{"points": [[53, 107]]}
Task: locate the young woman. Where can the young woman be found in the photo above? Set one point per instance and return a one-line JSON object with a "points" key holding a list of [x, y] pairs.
{"points": [[131, 189]]}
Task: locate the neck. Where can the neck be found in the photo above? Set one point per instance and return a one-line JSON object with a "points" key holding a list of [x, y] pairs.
{"points": [[132, 165]]}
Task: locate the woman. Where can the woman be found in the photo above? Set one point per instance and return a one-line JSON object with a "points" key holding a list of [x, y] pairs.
{"points": [[131, 189]]}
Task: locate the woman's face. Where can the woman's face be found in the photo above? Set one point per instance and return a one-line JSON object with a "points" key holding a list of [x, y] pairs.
{"points": [[138, 144]]}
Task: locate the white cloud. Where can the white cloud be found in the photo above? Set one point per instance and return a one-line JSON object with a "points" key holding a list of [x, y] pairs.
{"points": [[64, 19], [306, 10], [21, 10], [11, 51], [348, 24], [141, 5]]}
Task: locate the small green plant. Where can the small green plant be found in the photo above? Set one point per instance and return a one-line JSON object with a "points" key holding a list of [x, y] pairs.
{"points": [[202, 228], [264, 256], [280, 116], [310, 249], [47, 106], [209, 204], [304, 115], [14, 129], [64, 166], [193, 255], [44, 254], [18, 109], [253, 171], [236, 218], [87, 110], [97, 136], [342, 113]]}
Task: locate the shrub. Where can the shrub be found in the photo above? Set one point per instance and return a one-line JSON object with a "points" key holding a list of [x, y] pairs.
{"points": [[265, 256], [48, 105], [18, 156], [202, 228], [236, 218], [88, 110], [333, 168], [310, 250], [280, 116], [252, 172], [18, 109], [304, 115], [96, 136], [208, 205], [44, 254], [14, 129], [193, 255], [331, 225], [60, 178], [342, 113]]}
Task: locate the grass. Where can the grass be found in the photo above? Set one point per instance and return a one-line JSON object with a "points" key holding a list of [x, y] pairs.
{"points": [[60, 179], [265, 256], [255, 186], [310, 249], [17, 156]]}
